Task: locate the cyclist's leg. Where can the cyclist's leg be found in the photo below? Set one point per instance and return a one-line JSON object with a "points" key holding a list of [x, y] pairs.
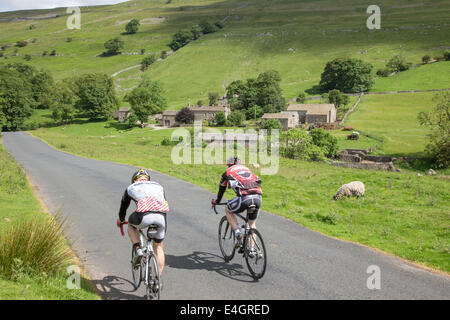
{"points": [[233, 206], [159, 253], [134, 220]]}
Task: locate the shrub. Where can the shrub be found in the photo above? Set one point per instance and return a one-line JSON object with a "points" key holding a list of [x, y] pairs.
{"points": [[220, 118], [213, 98], [53, 53], [142, 51], [301, 98], [22, 43], [207, 27], [27, 57], [147, 61], [180, 39], [219, 24], [447, 55], [326, 141], [439, 57], [33, 247], [185, 115], [383, 72], [69, 40], [298, 144], [236, 117], [426, 58], [398, 63], [271, 124]]}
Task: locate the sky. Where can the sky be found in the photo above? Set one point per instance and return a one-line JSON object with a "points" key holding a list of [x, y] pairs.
{"points": [[11, 5]]}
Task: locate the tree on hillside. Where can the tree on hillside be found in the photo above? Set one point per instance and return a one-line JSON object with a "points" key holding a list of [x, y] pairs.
{"points": [[336, 97], [16, 99], [196, 32], [148, 98], [180, 39], [96, 95], [301, 98], [347, 75], [147, 61], [113, 46], [264, 91], [213, 98], [398, 63], [132, 26], [438, 120], [185, 115], [207, 27]]}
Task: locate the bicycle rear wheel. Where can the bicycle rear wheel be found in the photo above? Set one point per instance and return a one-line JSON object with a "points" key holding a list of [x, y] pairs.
{"points": [[153, 278], [136, 270], [255, 253], [227, 241]]}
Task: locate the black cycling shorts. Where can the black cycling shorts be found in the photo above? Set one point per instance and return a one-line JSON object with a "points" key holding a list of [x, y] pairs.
{"points": [[240, 204]]}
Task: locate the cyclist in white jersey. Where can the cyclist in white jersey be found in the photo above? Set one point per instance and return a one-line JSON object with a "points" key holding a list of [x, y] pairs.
{"points": [[152, 208]]}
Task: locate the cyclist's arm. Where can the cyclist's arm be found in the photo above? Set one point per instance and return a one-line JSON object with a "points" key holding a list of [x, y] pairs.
{"points": [[125, 203], [222, 187]]}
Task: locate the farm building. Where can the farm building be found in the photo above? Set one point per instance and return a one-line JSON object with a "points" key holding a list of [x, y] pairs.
{"points": [[207, 113], [168, 118], [314, 113], [122, 114], [287, 120]]}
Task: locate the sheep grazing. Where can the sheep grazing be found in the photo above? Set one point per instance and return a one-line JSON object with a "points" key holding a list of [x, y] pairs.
{"points": [[355, 188]]}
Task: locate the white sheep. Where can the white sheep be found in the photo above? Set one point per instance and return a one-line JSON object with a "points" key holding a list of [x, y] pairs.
{"points": [[355, 188]]}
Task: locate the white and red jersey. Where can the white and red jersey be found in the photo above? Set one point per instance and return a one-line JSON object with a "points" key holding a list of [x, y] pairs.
{"points": [[148, 195]]}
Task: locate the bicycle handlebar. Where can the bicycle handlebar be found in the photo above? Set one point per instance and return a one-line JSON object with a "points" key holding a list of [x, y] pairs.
{"points": [[218, 204], [120, 225]]}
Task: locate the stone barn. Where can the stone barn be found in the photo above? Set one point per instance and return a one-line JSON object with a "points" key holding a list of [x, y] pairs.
{"points": [[314, 113]]}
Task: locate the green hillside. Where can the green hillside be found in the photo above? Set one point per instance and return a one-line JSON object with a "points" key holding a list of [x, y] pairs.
{"points": [[294, 37]]}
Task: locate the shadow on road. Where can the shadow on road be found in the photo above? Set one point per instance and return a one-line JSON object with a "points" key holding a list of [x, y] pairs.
{"points": [[210, 262], [116, 288]]}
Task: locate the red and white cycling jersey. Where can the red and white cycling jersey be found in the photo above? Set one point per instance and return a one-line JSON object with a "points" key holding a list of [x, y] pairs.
{"points": [[242, 180], [149, 196]]}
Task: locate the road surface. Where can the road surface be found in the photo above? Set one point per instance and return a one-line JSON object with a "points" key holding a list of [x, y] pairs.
{"points": [[302, 264]]}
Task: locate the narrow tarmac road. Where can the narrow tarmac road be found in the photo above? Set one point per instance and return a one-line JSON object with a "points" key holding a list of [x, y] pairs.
{"points": [[302, 264]]}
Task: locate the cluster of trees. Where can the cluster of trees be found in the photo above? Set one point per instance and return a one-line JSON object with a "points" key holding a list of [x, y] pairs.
{"points": [[146, 99], [314, 145], [254, 97], [183, 37], [22, 89]]}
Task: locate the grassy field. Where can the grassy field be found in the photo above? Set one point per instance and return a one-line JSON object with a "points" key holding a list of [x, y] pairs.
{"points": [[17, 203], [403, 214], [393, 118], [291, 36], [426, 77]]}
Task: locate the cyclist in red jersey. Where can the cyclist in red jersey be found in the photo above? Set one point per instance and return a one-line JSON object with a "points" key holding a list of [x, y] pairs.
{"points": [[247, 187]]}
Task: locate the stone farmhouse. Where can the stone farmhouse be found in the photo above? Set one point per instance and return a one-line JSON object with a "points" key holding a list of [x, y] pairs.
{"points": [[314, 113], [122, 114]]}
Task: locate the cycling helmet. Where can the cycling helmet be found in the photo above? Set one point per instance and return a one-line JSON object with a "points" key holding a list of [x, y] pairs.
{"points": [[141, 173], [233, 160]]}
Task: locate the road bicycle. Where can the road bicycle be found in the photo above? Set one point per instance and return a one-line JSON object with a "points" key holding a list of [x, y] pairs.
{"points": [[146, 268], [252, 246]]}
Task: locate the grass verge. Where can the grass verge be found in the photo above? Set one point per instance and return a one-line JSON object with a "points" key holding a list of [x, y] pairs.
{"points": [[34, 254]]}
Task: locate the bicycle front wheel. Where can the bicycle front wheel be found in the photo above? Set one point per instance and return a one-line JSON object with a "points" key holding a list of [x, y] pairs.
{"points": [[255, 253], [153, 278], [136, 268], [226, 239]]}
